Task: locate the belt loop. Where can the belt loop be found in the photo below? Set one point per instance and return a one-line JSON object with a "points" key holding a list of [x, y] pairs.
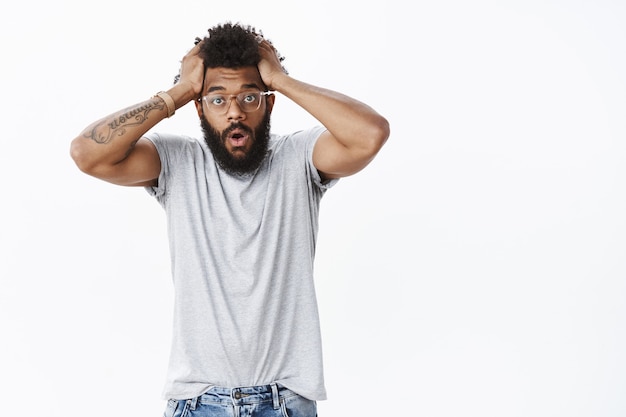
{"points": [[192, 403], [275, 398], [233, 392]]}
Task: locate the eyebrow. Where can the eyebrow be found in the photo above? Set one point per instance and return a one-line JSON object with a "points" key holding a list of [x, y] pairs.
{"points": [[243, 87]]}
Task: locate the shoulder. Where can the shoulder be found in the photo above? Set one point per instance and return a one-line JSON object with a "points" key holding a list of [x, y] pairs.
{"points": [[173, 141], [172, 146], [301, 139]]}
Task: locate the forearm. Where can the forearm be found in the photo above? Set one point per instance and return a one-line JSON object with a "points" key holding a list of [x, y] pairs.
{"points": [[351, 122], [110, 140]]}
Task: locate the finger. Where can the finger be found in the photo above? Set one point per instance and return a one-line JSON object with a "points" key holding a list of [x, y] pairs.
{"points": [[197, 43]]}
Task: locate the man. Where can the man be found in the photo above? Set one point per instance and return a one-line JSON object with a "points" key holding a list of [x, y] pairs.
{"points": [[242, 212]]}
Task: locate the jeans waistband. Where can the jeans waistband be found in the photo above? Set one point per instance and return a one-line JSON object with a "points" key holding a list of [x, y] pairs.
{"points": [[246, 395]]}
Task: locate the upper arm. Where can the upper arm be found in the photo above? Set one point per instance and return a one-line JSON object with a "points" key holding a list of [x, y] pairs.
{"points": [[333, 159], [140, 167]]}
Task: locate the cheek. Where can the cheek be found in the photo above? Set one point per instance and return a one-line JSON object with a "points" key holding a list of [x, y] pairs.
{"points": [[216, 122], [217, 125]]}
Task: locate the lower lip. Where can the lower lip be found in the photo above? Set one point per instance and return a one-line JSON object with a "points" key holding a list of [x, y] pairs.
{"points": [[238, 141]]}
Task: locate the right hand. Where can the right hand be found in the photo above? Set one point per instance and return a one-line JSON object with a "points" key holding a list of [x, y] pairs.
{"points": [[192, 71]]}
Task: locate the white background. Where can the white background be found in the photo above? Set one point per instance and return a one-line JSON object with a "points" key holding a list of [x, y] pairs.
{"points": [[476, 268]]}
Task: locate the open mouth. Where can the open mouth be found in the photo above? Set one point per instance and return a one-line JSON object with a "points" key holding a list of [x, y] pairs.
{"points": [[237, 138]]}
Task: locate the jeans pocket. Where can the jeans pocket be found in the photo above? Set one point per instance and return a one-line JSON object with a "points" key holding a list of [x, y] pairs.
{"points": [[297, 406], [176, 408], [170, 408]]}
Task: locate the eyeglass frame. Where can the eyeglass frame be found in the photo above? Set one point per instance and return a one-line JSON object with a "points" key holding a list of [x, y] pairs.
{"points": [[230, 97]]}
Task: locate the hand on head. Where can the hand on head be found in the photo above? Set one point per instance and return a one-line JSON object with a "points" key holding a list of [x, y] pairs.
{"points": [[270, 64], [238, 53], [192, 70]]}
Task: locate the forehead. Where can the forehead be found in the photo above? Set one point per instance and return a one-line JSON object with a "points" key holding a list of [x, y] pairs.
{"points": [[232, 80]]}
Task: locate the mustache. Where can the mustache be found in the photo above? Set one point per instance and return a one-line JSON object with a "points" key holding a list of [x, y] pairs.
{"points": [[236, 125]]}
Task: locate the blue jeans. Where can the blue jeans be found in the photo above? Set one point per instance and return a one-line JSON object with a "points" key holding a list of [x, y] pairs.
{"points": [[261, 401]]}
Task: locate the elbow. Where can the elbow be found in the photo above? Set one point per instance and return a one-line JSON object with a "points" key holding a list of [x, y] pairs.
{"points": [[384, 131], [374, 139], [378, 134], [80, 156]]}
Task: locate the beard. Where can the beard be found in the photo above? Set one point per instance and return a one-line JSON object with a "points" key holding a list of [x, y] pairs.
{"points": [[251, 161]]}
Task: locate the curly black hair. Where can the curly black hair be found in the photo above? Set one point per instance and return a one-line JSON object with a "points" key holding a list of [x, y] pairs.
{"points": [[230, 45]]}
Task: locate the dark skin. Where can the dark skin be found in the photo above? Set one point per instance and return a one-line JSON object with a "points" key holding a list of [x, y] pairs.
{"points": [[228, 81], [113, 148]]}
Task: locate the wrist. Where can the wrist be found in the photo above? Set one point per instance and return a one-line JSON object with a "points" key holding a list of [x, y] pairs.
{"points": [[169, 102], [182, 93], [278, 81]]}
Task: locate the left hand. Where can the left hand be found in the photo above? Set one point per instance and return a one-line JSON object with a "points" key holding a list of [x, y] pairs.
{"points": [[270, 64]]}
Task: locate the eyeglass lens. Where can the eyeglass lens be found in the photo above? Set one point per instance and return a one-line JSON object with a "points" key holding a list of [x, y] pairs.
{"points": [[247, 102]]}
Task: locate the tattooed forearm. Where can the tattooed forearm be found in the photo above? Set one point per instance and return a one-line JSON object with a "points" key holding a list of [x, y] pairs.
{"points": [[104, 131]]}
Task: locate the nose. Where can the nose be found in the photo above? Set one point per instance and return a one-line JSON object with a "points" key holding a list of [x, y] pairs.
{"points": [[234, 112]]}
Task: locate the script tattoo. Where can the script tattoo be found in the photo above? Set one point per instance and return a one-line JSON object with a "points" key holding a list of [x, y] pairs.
{"points": [[105, 131]]}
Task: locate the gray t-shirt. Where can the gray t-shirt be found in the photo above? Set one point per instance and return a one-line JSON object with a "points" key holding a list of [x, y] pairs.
{"points": [[242, 254]]}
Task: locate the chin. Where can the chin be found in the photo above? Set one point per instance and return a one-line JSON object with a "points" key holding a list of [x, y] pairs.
{"points": [[238, 161]]}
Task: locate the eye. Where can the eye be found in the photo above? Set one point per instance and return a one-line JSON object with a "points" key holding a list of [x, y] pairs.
{"points": [[250, 98], [217, 100]]}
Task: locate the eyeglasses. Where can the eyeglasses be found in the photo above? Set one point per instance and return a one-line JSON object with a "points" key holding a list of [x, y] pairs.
{"points": [[248, 101]]}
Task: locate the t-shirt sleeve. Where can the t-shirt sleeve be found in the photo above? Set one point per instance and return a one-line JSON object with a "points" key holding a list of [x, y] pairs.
{"points": [[159, 190], [312, 135], [169, 148]]}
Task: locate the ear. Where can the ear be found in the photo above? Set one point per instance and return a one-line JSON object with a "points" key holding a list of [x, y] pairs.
{"points": [[270, 102], [198, 103]]}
